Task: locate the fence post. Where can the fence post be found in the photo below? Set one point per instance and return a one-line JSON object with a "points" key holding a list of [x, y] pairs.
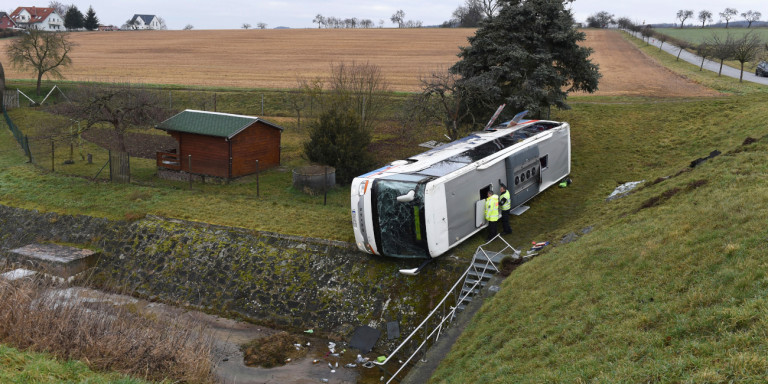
{"points": [[109, 161], [189, 169], [52, 155], [325, 186], [262, 104], [214, 101], [257, 179]]}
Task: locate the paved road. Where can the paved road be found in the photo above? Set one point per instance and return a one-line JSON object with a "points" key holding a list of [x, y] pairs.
{"points": [[708, 64]]}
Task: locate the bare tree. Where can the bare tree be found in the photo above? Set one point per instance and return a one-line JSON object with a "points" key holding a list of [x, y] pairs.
{"points": [[746, 49], [704, 51], [705, 16], [728, 14], [398, 18], [661, 38], [443, 87], [451, 93], [360, 88], [683, 15], [43, 52], [246, 26], [189, 27], [161, 24], [319, 19], [120, 106], [261, 25], [751, 17], [489, 7], [721, 48], [682, 45], [59, 7]]}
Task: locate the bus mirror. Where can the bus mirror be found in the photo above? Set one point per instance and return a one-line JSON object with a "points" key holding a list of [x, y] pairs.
{"points": [[408, 197]]}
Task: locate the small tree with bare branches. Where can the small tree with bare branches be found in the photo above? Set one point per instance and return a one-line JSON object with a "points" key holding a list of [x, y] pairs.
{"points": [[721, 48], [751, 16], [728, 14], [683, 15], [705, 16], [41, 51], [746, 49]]}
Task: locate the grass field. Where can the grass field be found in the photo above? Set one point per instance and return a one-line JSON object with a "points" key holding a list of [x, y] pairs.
{"points": [[669, 285]]}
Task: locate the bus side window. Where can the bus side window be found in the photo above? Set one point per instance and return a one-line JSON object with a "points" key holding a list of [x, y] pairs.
{"points": [[543, 161], [484, 191]]}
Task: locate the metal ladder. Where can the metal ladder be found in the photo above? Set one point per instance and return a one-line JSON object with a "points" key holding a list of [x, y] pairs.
{"points": [[482, 268]]}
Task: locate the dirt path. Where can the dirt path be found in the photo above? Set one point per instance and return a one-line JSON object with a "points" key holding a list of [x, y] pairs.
{"points": [[227, 337], [629, 72]]}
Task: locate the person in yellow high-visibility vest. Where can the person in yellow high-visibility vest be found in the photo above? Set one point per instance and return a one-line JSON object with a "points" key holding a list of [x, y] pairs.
{"points": [[506, 204], [492, 213]]}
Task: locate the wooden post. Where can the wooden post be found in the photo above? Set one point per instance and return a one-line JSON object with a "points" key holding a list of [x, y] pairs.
{"points": [[214, 101], [52, 154], [262, 104], [257, 178], [325, 186], [189, 169]]}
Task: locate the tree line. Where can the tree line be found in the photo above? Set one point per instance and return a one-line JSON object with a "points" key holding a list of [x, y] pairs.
{"points": [[745, 49], [603, 19], [397, 18]]}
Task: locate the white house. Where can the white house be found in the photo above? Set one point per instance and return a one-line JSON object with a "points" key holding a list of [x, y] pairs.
{"points": [[145, 22], [45, 19]]}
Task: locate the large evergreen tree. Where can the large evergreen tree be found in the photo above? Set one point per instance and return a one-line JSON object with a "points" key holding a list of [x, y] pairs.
{"points": [[91, 21], [527, 57], [74, 19]]}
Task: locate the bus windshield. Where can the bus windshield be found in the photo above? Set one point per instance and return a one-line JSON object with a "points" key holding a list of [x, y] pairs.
{"points": [[400, 229]]}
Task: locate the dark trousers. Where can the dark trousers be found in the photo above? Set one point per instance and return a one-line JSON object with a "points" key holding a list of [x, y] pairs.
{"points": [[492, 231], [505, 222]]}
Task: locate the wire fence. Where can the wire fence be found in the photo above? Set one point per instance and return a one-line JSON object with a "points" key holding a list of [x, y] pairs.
{"points": [[54, 151], [20, 138]]}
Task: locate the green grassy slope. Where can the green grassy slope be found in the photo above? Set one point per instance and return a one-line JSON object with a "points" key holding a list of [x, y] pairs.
{"points": [[670, 283]]}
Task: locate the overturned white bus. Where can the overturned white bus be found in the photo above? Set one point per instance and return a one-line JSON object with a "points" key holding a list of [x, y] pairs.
{"points": [[425, 205]]}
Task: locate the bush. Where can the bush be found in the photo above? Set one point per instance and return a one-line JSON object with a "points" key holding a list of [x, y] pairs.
{"points": [[38, 317], [339, 140]]}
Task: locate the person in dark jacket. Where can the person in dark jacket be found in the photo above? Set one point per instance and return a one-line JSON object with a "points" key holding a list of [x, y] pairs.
{"points": [[505, 204]]}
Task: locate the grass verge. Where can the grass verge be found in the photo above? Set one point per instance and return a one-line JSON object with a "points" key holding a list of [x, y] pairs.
{"points": [[667, 284], [30, 367]]}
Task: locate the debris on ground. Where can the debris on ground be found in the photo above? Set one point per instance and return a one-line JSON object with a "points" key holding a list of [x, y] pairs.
{"points": [[275, 350], [623, 190]]}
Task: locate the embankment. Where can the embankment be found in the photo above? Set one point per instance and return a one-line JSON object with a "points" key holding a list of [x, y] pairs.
{"points": [[262, 277]]}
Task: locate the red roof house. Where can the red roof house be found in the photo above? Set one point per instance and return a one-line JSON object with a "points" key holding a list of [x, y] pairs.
{"points": [[45, 19]]}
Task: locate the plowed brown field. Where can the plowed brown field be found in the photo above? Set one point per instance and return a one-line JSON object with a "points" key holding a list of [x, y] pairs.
{"points": [[276, 58]]}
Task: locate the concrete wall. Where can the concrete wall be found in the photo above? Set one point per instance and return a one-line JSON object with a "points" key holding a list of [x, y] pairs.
{"points": [[289, 281]]}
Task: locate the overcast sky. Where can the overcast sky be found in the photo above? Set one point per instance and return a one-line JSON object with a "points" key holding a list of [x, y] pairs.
{"points": [[231, 14]]}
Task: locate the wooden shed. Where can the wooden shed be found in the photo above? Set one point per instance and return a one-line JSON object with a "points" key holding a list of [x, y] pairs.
{"points": [[220, 144]]}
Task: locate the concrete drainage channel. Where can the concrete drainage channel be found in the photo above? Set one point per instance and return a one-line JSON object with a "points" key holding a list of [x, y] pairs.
{"points": [[291, 282]]}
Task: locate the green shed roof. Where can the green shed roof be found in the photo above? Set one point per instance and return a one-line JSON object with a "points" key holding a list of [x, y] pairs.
{"points": [[210, 123]]}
